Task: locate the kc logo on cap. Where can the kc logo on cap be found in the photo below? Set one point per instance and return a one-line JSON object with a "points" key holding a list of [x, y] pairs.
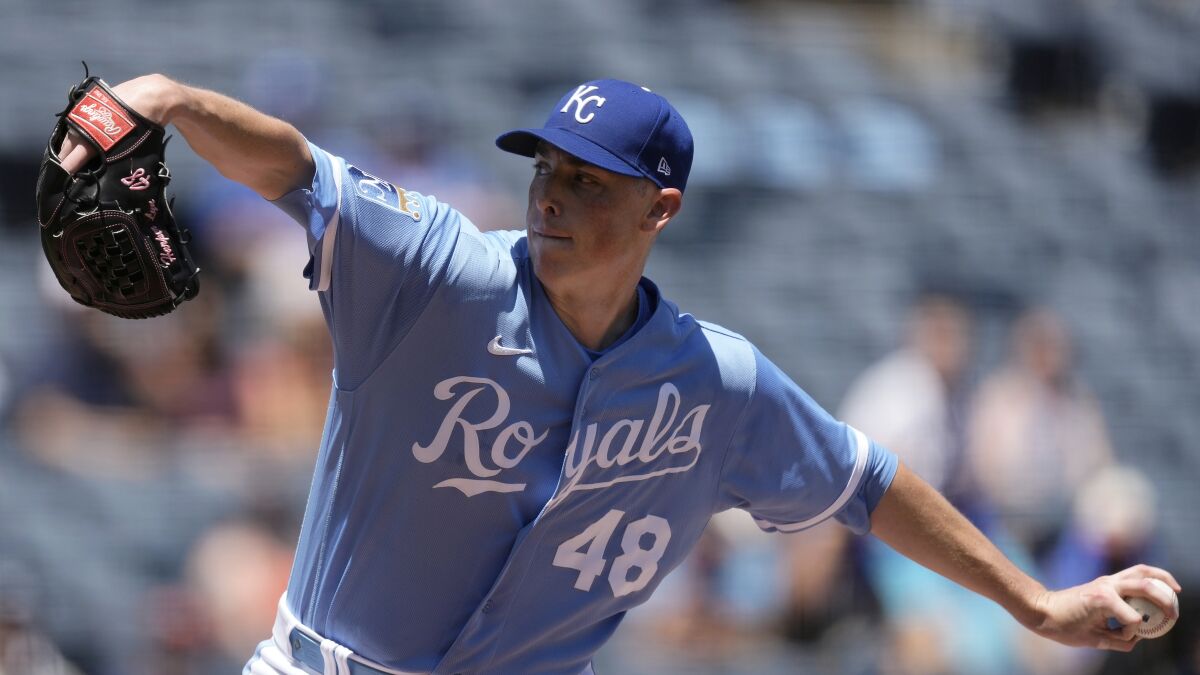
{"points": [[618, 126], [580, 102]]}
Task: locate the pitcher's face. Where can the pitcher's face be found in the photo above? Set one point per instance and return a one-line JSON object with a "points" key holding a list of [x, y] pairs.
{"points": [[582, 219]]}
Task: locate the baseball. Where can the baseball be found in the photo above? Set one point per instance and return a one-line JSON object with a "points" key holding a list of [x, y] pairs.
{"points": [[1155, 623]]}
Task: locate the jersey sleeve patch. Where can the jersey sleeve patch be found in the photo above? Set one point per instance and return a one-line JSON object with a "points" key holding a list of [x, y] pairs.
{"points": [[382, 192], [790, 479]]}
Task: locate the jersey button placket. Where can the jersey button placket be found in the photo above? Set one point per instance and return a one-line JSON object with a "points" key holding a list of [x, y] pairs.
{"points": [[586, 390]]}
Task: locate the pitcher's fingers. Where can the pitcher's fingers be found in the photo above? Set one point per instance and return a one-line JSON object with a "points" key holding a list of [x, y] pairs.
{"points": [[1123, 645], [1114, 606], [1113, 641], [69, 142], [1144, 571], [1116, 631], [1146, 588], [77, 158]]}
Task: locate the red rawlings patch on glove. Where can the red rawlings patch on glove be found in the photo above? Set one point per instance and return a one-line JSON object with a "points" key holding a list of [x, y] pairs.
{"points": [[102, 118]]}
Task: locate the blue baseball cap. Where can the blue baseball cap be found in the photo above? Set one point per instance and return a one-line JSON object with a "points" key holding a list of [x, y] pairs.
{"points": [[618, 126]]}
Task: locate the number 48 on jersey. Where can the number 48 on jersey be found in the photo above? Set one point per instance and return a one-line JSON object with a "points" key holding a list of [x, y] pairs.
{"points": [[585, 552]]}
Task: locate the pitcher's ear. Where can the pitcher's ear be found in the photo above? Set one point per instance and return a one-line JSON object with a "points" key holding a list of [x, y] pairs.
{"points": [[668, 202]]}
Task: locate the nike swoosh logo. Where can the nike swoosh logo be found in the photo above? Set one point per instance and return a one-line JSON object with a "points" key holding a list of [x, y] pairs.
{"points": [[494, 347]]}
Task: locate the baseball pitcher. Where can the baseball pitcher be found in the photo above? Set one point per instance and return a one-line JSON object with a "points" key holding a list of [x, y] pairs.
{"points": [[524, 434]]}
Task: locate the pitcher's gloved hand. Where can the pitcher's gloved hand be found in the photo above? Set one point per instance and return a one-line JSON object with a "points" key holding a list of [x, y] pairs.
{"points": [[107, 230]]}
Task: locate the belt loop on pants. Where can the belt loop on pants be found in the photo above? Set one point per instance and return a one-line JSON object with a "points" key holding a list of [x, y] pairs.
{"points": [[319, 654]]}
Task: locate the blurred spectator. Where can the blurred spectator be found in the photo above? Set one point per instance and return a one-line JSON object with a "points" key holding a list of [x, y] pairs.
{"points": [[821, 585], [1036, 435], [208, 621], [700, 623], [281, 390], [725, 591], [707, 614], [115, 394], [933, 626], [1112, 525], [147, 432], [24, 649], [237, 572], [913, 400]]}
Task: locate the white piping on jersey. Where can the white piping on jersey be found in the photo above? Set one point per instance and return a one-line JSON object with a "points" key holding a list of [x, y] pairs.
{"points": [[863, 448], [331, 231]]}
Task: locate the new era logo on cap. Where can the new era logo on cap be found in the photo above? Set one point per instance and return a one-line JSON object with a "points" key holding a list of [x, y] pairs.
{"points": [[618, 126]]}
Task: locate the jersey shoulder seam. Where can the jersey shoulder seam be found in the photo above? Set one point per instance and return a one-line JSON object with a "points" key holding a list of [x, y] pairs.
{"points": [[721, 330], [737, 425]]}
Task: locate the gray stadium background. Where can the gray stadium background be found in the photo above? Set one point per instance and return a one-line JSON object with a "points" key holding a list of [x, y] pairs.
{"points": [[849, 155]]}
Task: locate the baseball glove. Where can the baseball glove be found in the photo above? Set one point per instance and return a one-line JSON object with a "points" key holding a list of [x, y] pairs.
{"points": [[108, 231]]}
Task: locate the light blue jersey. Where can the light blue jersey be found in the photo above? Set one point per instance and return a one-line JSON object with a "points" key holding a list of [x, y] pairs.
{"points": [[490, 496]]}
